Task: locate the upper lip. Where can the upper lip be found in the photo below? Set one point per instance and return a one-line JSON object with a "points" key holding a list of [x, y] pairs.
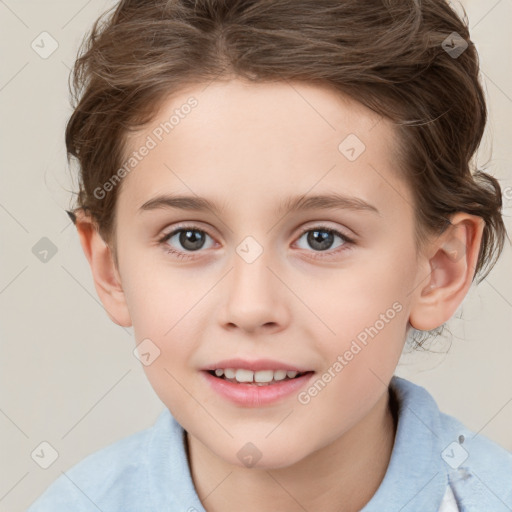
{"points": [[260, 364]]}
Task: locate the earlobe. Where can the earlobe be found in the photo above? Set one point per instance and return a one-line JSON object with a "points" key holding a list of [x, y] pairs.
{"points": [[451, 261], [104, 272]]}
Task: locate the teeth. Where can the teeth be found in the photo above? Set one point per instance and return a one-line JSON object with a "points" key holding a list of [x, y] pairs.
{"points": [[261, 376], [280, 374], [244, 375], [229, 373]]}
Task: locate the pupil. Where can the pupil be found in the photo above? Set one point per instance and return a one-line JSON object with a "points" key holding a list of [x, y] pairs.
{"points": [[322, 237]]}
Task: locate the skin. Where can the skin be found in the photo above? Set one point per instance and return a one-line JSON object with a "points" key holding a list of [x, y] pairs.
{"points": [[248, 147]]}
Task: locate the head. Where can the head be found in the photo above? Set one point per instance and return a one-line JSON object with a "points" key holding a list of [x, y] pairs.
{"points": [[250, 105]]}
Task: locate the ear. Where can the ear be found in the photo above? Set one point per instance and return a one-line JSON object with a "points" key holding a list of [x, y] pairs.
{"points": [[450, 262], [107, 279]]}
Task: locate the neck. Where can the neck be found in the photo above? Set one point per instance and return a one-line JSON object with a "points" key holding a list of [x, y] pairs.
{"points": [[346, 472]]}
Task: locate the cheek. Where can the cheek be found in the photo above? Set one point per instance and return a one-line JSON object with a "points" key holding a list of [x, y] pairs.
{"points": [[165, 310], [158, 296], [368, 319], [364, 310]]}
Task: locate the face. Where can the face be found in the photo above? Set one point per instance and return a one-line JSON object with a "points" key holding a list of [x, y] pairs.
{"points": [[324, 288]]}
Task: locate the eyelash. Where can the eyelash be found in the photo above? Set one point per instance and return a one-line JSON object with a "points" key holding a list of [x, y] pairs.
{"points": [[184, 256]]}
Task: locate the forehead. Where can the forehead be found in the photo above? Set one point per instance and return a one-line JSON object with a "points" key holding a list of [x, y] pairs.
{"points": [[237, 141]]}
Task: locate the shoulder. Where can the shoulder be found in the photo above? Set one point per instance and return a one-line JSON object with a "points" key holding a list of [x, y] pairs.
{"points": [[478, 470], [113, 478]]}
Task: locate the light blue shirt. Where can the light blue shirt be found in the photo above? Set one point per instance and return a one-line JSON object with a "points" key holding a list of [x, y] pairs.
{"points": [[433, 455]]}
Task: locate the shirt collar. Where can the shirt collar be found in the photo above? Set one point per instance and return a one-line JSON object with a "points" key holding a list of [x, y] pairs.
{"points": [[170, 482], [416, 478]]}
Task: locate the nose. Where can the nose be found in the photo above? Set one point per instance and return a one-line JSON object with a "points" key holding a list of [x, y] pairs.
{"points": [[255, 297]]}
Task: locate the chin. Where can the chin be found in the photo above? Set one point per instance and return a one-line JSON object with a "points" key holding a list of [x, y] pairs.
{"points": [[253, 456]]}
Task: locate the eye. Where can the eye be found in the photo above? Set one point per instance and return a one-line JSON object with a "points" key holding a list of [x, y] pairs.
{"points": [[189, 237], [192, 239], [321, 238]]}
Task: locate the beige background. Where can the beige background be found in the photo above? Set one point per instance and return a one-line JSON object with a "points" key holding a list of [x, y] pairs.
{"points": [[68, 374]]}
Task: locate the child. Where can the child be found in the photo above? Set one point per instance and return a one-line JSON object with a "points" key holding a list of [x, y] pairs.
{"points": [[263, 128]]}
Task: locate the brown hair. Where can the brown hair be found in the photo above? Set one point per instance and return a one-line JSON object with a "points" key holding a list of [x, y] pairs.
{"points": [[391, 56]]}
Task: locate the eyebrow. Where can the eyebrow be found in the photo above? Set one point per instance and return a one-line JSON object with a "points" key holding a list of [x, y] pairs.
{"points": [[292, 204]]}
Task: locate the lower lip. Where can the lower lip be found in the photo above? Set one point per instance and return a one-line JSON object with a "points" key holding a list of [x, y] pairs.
{"points": [[252, 395]]}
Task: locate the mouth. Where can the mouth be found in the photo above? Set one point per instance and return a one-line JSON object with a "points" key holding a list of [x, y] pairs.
{"points": [[249, 389], [259, 378]]}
